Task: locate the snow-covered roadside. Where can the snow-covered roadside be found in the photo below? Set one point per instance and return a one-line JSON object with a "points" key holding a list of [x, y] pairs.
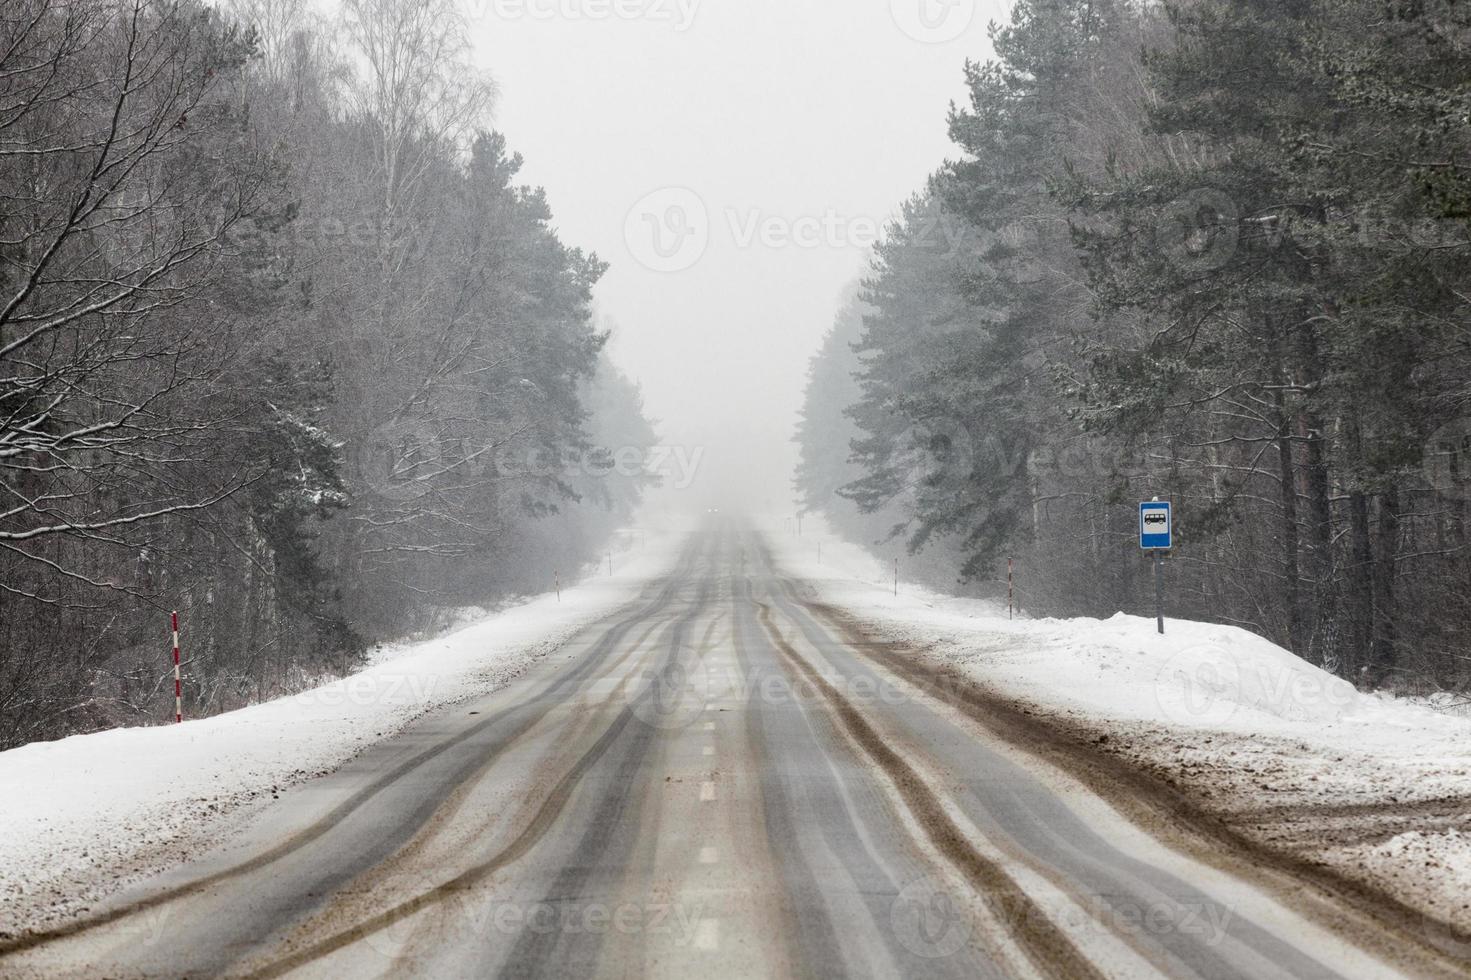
{"points": [[85, 815], [1373, 786]]}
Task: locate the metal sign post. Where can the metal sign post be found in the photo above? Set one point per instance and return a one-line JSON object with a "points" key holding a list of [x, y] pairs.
{"points": [[1157, 536], [1159, 591]]}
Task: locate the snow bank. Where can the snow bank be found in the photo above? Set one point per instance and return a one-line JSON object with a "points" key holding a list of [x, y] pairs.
{"points": [[120, 803], [1198, 675], [1373, 785]]}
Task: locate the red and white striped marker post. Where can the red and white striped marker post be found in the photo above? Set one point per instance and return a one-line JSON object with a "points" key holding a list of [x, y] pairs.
{"points": [[1010, 589], [178, 681]]}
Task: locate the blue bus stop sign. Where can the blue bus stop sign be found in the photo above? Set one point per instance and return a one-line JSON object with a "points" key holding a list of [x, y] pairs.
{"points": [[1156, 526]]}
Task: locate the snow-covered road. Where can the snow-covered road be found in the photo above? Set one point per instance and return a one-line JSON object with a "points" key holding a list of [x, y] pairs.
{"points": [[84, 815], [1373, 787], [727, 762]]}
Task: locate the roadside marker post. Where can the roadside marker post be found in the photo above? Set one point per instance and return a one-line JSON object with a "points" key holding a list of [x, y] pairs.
{"points": [[178, 680], [1010, 588], [896, 576], [1157, 536]]}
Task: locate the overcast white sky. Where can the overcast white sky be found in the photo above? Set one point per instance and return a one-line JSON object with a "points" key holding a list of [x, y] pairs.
{"points": [[763, 142]]}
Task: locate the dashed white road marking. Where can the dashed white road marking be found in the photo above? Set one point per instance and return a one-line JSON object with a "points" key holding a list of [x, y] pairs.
{"points": [[709, 726], [709, 855], [707, 792], [709, 750], [707, 934]]}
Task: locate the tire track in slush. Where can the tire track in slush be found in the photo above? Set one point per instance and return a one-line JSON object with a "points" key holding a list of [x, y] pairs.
{"points": [[445, 815], [346, 808], [1342, 905], [460, 885], [777, 740], [1046, 945], [532, 954], [807, 932], [441, 808]]}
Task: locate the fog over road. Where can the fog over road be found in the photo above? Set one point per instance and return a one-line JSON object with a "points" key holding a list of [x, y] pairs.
{"points": [[722, 779]]}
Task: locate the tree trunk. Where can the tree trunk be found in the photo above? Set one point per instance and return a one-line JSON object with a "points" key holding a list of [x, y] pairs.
{"points": [[1290, 550], [1360, 587], [1386, 611]]}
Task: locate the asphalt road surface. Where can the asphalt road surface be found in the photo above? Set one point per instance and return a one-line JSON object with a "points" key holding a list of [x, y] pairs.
{"points": [[717, 781]]}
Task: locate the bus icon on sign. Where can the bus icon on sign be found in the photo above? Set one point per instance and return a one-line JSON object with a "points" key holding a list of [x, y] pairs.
{"points": [[1156, 527]]}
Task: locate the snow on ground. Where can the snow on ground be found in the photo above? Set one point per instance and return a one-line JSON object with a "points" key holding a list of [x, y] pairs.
{"points": [[1376, 786], [85, 815]]}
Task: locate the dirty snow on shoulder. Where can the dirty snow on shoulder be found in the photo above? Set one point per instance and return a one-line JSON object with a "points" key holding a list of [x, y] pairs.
{"points": [[1198, 675], [1370, 783], [87, 814]]}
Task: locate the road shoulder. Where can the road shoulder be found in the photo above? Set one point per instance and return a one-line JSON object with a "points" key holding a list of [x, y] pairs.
{"points": [[86, 817], [1366, 800]]}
